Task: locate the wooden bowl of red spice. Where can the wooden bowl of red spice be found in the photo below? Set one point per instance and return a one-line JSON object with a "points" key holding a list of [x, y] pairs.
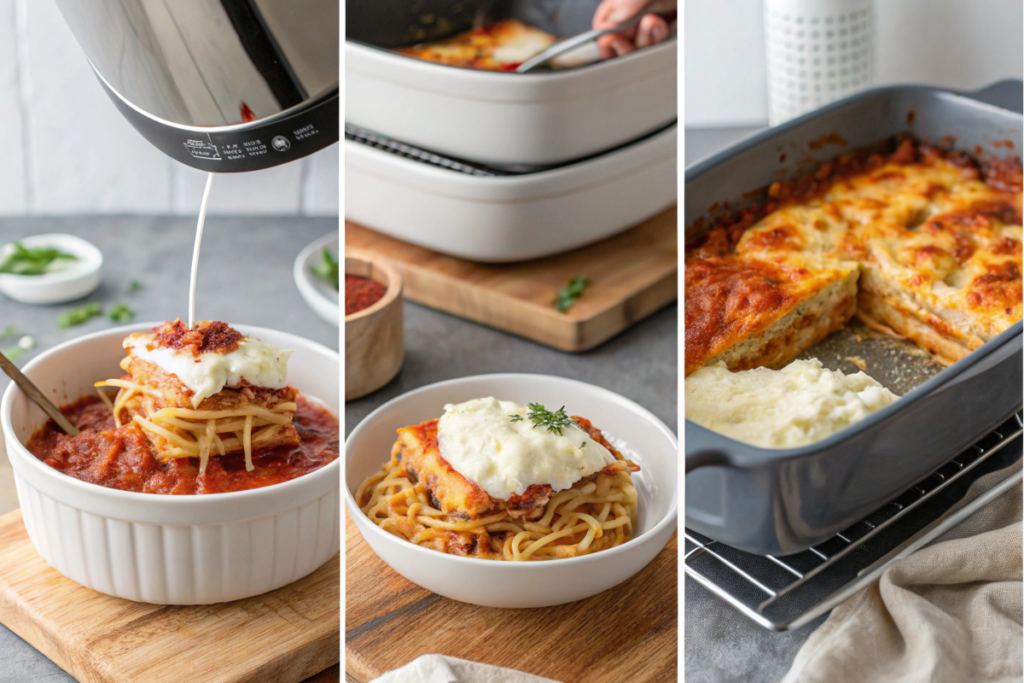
{"points": [[374, 341]]}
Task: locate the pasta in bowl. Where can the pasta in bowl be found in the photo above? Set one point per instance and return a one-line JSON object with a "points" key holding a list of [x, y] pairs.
{"points": [[543, 502]]}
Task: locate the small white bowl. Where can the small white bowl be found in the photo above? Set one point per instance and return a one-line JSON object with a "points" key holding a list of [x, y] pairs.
{"points": [[321, 297], [640, 435], [164, 549], [75, 280]]}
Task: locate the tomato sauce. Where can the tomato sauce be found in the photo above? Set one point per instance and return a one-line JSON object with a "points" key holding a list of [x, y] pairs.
{"points": [[361, 293], [122, 458]]}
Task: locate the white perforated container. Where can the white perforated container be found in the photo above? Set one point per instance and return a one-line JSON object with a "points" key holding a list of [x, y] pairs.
{"points": [[163, 549], [818, 51]]}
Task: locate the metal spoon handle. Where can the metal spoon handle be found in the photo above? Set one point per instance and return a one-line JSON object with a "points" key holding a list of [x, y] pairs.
{"points": [[563, 46], [33, 392]]}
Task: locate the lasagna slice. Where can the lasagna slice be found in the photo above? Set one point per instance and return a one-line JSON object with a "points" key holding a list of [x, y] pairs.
{"points": [[205, 392], [455, 495], [501, 46], [936, 238], [749, 312]]}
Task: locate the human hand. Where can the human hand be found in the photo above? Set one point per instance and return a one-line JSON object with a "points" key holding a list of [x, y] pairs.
{"points": [[652, 28]]}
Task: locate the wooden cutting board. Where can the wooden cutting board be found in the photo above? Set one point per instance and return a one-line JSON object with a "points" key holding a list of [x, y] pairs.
{"points": [[631, 275], [284, 636], [628, 633]]}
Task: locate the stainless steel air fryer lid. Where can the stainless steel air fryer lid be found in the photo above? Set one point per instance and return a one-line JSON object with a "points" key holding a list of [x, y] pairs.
{"points": [[219, 85]]}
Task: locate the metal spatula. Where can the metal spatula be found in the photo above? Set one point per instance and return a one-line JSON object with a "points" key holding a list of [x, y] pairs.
{"points": [[563, 46]]}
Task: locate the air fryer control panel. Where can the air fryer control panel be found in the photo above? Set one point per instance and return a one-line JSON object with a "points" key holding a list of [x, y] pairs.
{"points": [[254, 146]]}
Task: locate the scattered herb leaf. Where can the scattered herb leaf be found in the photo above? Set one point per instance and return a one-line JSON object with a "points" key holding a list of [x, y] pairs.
{"points": [[568, 295], [24, 261], [540, 416], [121, 313], [24, 345], [9, 331], [77, 316], [328, 269], [134, 286], [583, 445]]}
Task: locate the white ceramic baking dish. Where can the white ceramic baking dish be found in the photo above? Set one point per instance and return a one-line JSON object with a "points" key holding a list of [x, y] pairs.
{"points": [[510, 217], [178, 550], [509, 118], [491, 583]]}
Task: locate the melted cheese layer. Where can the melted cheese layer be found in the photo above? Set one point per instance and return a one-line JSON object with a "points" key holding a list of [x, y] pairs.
{"points": [[256, 362], [795, 406], [481, 442]]}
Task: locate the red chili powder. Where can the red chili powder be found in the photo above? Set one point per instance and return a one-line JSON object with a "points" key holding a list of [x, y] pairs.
{"points": [[361, 292]]}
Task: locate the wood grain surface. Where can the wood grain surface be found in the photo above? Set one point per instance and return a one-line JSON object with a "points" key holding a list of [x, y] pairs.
{"points": [[628, 633], [285, 636], [631, 275], [375, 336]]}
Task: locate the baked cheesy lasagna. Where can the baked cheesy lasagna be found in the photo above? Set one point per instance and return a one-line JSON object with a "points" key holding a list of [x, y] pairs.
{"points": [[201, 410], [915, 240], [501, 46], [496, 480]]}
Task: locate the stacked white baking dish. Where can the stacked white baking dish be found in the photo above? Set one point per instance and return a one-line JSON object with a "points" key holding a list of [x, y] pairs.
{"points": [[550, 160]]}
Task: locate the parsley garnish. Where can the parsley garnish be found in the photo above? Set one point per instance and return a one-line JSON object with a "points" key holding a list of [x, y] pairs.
{"points": [[121, 313], [24, 261], [77, 316], [328, 269], [24, 345], [568, 295], [134, 286], [542, 417]]}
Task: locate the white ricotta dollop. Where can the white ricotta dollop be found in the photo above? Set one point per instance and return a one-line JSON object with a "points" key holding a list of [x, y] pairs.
{"points": [[795, 406], [480, 440], [258, 363]]}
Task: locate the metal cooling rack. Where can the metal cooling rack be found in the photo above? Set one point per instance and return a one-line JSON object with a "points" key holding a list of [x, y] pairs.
{"points": [[784, 593], [386, 144]]}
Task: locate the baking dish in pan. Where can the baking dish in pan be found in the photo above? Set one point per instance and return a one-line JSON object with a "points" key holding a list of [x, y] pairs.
{"points": [[536, 118], [770, 501], [481, 214]]}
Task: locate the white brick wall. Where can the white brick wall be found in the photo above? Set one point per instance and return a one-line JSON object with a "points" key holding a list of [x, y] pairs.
{"points": [[68, 151]]}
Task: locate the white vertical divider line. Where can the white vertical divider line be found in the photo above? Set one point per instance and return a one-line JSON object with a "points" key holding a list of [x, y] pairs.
{"points": [[680, 350], [24, 85], [341, 327]]}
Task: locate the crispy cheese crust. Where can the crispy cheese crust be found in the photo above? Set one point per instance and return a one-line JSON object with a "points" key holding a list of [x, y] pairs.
{"points": [[476, 49], [456, 495], [936, 238]]}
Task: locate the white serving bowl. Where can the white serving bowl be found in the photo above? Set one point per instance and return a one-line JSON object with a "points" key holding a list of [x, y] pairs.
{"points": [[163, 549], [321, 297], [490, 583], [75, 280]]}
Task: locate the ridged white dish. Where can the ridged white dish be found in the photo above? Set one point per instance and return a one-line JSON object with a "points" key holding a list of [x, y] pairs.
{"points": [[636, 432], [510, 218], [162, 549]]}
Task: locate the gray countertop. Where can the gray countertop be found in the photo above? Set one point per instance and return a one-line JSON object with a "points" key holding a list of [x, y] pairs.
{"points": [[640, 363], [245, 276], [720, 644]]}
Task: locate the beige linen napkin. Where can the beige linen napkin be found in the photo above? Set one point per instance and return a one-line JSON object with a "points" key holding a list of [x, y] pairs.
{"points": [[441, 669], [950, 612]]}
